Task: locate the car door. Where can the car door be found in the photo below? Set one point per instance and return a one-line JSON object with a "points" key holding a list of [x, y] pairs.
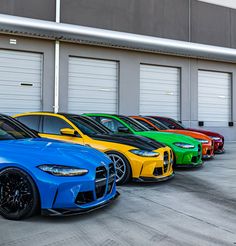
{"points": [[51, 128]]}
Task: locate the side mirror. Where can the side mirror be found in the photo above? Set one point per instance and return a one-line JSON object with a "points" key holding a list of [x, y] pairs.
{"points": [[122, 129], [172, 127], [68, 132]]}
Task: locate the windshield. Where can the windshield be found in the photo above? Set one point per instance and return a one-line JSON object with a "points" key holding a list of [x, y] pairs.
{"points": [[134, 124], [88, 126], [170, 123], [158, 124], [10, 130]]}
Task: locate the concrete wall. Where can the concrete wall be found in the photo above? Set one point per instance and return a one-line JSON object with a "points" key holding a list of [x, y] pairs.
{"points": [[188, 20], [38, 9]]}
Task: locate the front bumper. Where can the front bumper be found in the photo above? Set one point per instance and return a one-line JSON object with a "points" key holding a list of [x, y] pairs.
{"points": [[153, 179], [219, 147], [188, 157], [192, 165], [154, 169], [77, 211]]}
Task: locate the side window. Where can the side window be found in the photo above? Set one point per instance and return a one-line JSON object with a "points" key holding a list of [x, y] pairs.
{"points": [[145, 124], [31, 121], [111, 124], [53, 125]]}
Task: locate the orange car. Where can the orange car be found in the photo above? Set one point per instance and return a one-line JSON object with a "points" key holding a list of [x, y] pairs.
{"points": [[155, 125]]}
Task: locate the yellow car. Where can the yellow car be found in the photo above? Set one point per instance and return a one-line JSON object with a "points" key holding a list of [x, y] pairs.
{"points": [[136, 157]]}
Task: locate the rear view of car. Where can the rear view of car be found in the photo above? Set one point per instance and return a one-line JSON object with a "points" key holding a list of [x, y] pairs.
{"points": [[54, 177]]}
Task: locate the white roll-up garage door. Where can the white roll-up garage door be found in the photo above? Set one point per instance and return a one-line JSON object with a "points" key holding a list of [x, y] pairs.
{"points": [[214, 97], [160, 91], [93, 85], [20, 81]]}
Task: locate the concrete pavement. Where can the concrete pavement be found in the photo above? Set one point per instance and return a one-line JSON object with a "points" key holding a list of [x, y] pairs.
{"points": [[197, 207]]}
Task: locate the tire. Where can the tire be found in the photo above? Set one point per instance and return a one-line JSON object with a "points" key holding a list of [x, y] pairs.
{"points": [[19, 197], [123, 169]]}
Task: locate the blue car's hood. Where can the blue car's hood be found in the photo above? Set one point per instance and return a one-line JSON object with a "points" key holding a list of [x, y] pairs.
{"points": [[44, 151]]}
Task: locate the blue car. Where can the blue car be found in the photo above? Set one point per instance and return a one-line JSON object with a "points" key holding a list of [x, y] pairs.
{"points": [[54, 177]]}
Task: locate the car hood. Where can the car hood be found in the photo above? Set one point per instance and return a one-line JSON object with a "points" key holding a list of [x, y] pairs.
{"points": [[192, 134], [168, 138], [43, 151], [131, 140], [208, 133]]}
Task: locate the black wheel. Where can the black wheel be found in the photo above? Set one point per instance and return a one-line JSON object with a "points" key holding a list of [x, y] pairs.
{"points": [[123, 169], [19, 197]]}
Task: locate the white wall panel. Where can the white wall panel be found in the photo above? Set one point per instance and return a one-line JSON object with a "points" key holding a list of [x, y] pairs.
{"points": [[160, 91], [20, 81], [214, 97], [93, 85]]}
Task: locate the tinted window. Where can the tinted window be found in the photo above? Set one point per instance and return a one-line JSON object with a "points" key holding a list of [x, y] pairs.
{"points": [[53, 125], [111, 123], [134, 124], [146, 124], [158, 124], [86, 123], [31, 121], [170, 123], [11, 131]]}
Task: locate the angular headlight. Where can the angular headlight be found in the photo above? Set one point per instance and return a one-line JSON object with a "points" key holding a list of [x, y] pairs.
{"points": [[184, 145], [144, 153], [62, 171], [203, 141], [216, 138]]}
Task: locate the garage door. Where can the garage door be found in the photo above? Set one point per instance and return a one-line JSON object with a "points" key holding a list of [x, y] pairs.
{"points": [[160, 91], [92, 85], [20, 81], [214, 97]]}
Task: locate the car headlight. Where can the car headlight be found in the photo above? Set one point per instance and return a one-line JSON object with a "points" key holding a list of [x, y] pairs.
{"points": [[184, 145], [144, 153], [203, 141], [62, 171], [216, 138]]}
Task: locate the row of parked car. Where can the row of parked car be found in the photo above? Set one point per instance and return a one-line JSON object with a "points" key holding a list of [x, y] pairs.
{"points": [[40, 173]]}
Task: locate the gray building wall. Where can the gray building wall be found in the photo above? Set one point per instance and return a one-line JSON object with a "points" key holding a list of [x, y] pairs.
{"points": [[129, 80], [187, 20], [37, 9]]}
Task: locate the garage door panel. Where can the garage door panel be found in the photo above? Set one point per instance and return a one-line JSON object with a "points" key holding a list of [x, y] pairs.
{"points": [[160, 91], [93, 84], [214, 97], [17, 68]]}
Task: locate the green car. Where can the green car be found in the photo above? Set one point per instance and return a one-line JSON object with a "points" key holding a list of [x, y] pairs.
{"points": [[187, 150]]}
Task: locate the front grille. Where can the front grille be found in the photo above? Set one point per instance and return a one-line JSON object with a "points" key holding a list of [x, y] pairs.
{"points": [[104, 184], [199, 149], [105, 180], [166, 161], [100, 182]]}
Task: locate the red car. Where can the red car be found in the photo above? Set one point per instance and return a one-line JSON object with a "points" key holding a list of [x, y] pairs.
{"points": [[173, 124]]}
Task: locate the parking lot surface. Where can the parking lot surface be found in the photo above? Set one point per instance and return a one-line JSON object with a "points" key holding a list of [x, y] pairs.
{"points": [[197, 207]]}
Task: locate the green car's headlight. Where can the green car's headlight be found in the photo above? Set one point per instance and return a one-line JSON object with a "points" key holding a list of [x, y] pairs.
{"points": [[144, 153], [203, 141], [216, 138], [62, 171], [184, 145]]}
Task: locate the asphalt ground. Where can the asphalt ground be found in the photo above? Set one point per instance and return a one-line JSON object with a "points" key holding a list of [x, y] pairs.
{"points": [[197, 207]]}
